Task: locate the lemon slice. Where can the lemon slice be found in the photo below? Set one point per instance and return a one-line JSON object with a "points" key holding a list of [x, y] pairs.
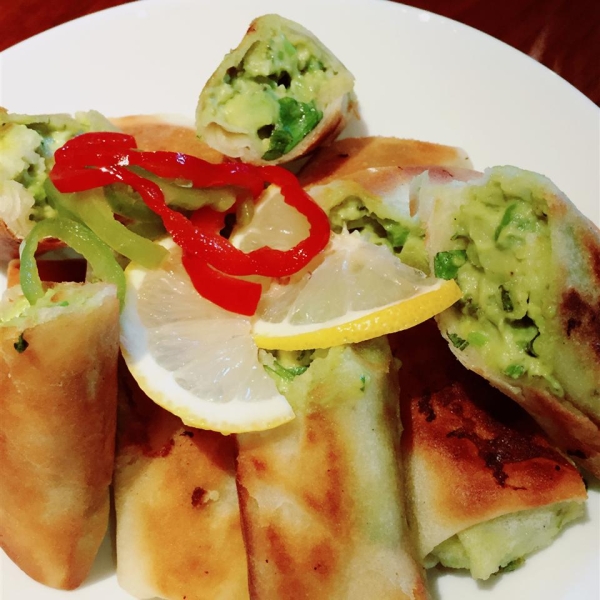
{"points": [[355, 291], [193, 358]]}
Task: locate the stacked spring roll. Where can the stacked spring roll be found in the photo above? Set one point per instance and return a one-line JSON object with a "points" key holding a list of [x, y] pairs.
{"points": [[178, 519], [322, 497], [58, 393], [486, 487]]}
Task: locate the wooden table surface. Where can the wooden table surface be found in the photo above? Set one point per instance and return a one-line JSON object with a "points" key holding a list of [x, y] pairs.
{"points": [[564, 35]]}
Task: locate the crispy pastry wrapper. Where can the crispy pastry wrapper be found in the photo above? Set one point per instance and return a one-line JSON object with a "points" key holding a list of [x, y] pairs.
{"points": [[335, 97], [343, 158], [321, 497], [58, 393], [571, 415], [178, 518], [158, 132], [472, 456]]}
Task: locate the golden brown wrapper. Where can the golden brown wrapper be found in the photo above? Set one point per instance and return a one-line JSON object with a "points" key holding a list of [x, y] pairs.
{"points": [[178, 519], [321, 496], [57, 426], [349, 155], [470, 453], [154, 132]]}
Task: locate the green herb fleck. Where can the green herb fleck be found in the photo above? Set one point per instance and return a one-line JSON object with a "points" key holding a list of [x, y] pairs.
{"points": [[296, 121], [287, 373], [507, 217], [514, 371], [477, 338], [446, 264], [457, 341], [507, 304], [364, 380], [21, 344]]}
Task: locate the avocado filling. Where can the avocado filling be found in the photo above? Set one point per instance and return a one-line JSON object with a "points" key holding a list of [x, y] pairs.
{"points": [[353, 208], [272, 92], [16, 311], [502, 543], [27, 145], [500, 256]]}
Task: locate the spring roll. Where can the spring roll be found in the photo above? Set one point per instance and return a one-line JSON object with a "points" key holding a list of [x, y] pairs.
{"points": [[528, 263], [58, 393], [321, 496], [485, 486], [177, 512], [27, 144], [276, 96], [343, 158]]}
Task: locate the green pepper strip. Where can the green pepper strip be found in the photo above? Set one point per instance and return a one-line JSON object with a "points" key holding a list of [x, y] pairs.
{"points": [[93, 210], [79, 238]]}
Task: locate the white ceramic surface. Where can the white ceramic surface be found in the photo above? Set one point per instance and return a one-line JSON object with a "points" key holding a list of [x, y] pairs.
{"points": [[418, 76]]}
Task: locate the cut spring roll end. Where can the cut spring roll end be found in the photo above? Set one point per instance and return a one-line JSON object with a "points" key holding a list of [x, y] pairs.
{"points": [[527, 262], [276, 96]]}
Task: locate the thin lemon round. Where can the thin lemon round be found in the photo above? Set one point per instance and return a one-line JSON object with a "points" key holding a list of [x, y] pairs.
{"points": [[193, 358], [353, 292]]}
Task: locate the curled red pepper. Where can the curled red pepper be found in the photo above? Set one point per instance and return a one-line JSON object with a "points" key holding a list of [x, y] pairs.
{"points": [[98, 159]]}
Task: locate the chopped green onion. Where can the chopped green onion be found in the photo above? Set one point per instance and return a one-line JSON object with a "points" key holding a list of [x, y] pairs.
{"points": [[296, 121], [447, 264], [514, 371], [506, 219], [457, 341], [287, 373]]}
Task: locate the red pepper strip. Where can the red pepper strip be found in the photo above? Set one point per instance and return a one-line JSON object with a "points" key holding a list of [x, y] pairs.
{"points": [[202, 236], [96, 149], [201, 239], [230, 293], [263, 261], [202, 174]]}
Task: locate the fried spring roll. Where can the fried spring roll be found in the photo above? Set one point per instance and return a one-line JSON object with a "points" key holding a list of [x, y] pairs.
{"points": [[485, 486], [321, 496], [275, 97], [58, 393], [528, 264], [178, 518], [28, 144]]}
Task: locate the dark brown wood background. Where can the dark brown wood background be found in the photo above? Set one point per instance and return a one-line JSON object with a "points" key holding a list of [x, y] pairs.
{"points": [[564, 35]]}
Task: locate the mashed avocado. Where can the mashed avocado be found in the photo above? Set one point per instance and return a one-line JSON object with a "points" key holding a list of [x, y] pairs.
{"points": [[504, 541], [500, 256], [351, 207], [15, 310], [27, 146], [272, 92]]}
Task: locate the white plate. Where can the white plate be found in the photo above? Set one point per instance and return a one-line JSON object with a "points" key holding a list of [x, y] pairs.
{"points": [[418, 75]]}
